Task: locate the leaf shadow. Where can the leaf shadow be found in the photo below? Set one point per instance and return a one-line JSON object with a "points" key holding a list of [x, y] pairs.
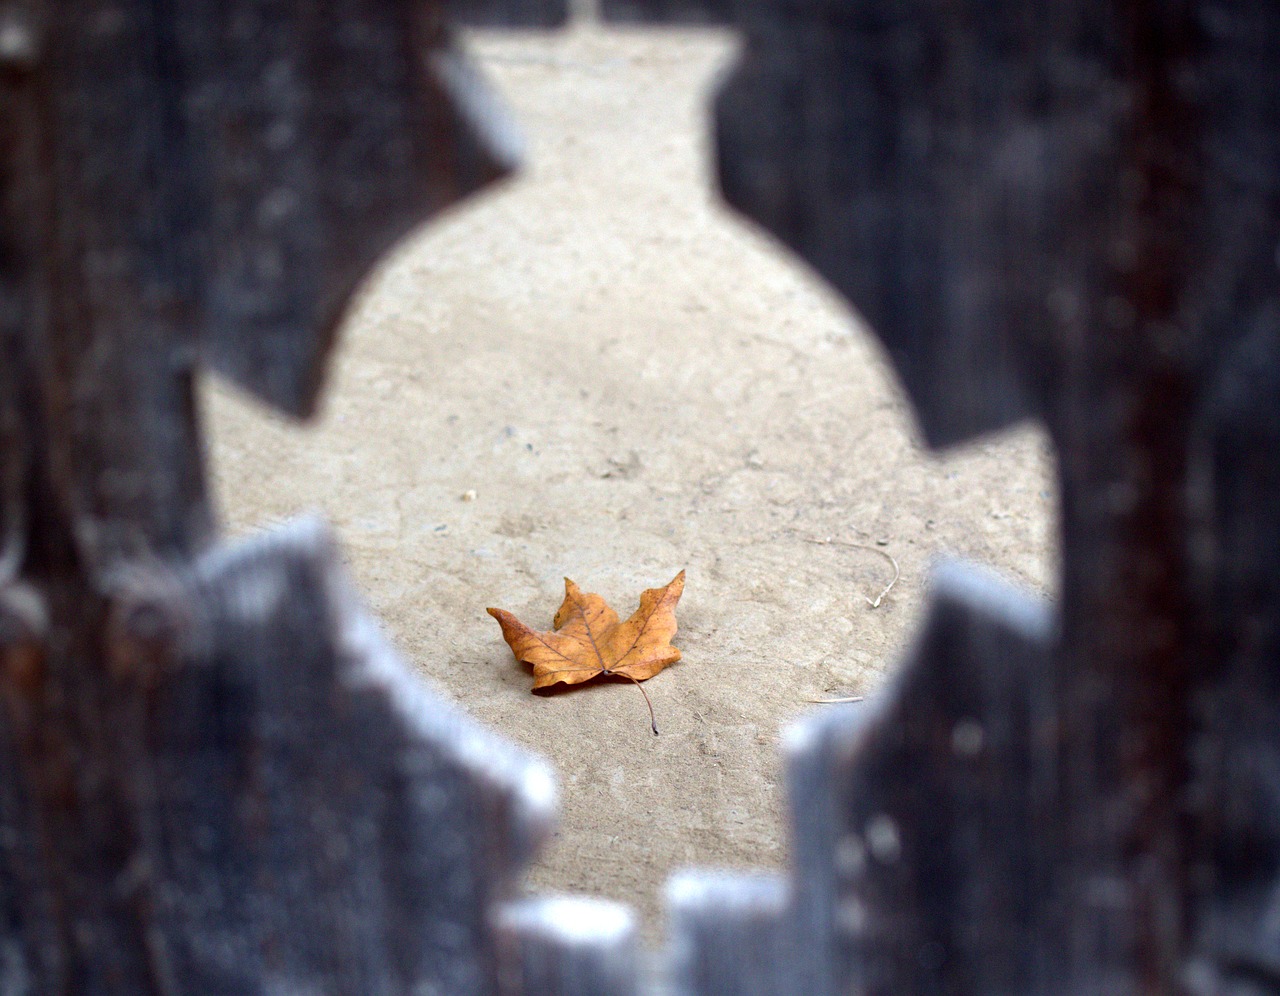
{"points": [[599, 681]]}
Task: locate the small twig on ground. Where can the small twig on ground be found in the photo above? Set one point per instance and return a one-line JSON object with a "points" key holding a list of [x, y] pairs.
{"points": [[845, 698], [897, 573]]}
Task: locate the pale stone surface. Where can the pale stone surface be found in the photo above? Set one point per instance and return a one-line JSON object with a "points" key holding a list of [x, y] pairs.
{"points": [[597, 372]]}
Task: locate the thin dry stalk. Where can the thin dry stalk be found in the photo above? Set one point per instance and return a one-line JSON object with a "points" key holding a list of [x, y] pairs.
{"points": [[897, 573]]}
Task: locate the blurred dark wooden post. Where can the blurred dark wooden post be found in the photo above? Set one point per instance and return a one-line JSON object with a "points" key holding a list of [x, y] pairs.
{"points": [[213, 776], [1066, 211]]}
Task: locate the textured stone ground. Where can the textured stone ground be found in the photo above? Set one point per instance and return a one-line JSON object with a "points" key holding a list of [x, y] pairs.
{"points": [[596, 371]]}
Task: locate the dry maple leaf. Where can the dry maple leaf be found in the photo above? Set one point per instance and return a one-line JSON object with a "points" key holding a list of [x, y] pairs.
{"points": [[587, 640]]}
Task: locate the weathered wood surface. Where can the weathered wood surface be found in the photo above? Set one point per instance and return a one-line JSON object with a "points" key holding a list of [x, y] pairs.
{"points": [[1070, 212], [925, 825], [208, 183], [213, 776], [506, 13], [568, 946], [732, 932]]}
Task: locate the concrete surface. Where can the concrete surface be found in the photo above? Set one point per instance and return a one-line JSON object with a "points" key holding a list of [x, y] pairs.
{"points": [[595, 371]]}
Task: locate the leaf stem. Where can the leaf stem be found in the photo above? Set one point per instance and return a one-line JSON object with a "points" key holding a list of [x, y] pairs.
{"points": [[652, 722]]}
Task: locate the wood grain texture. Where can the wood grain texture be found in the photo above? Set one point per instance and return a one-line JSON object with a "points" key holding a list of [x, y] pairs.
{"points": [[214, 778], [507, 13], [207, 183], [289, 809], [922, 830], [213, 775], [568, 946], [732, 932], [669, 11], [1067, 212], [1234, 546]]}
